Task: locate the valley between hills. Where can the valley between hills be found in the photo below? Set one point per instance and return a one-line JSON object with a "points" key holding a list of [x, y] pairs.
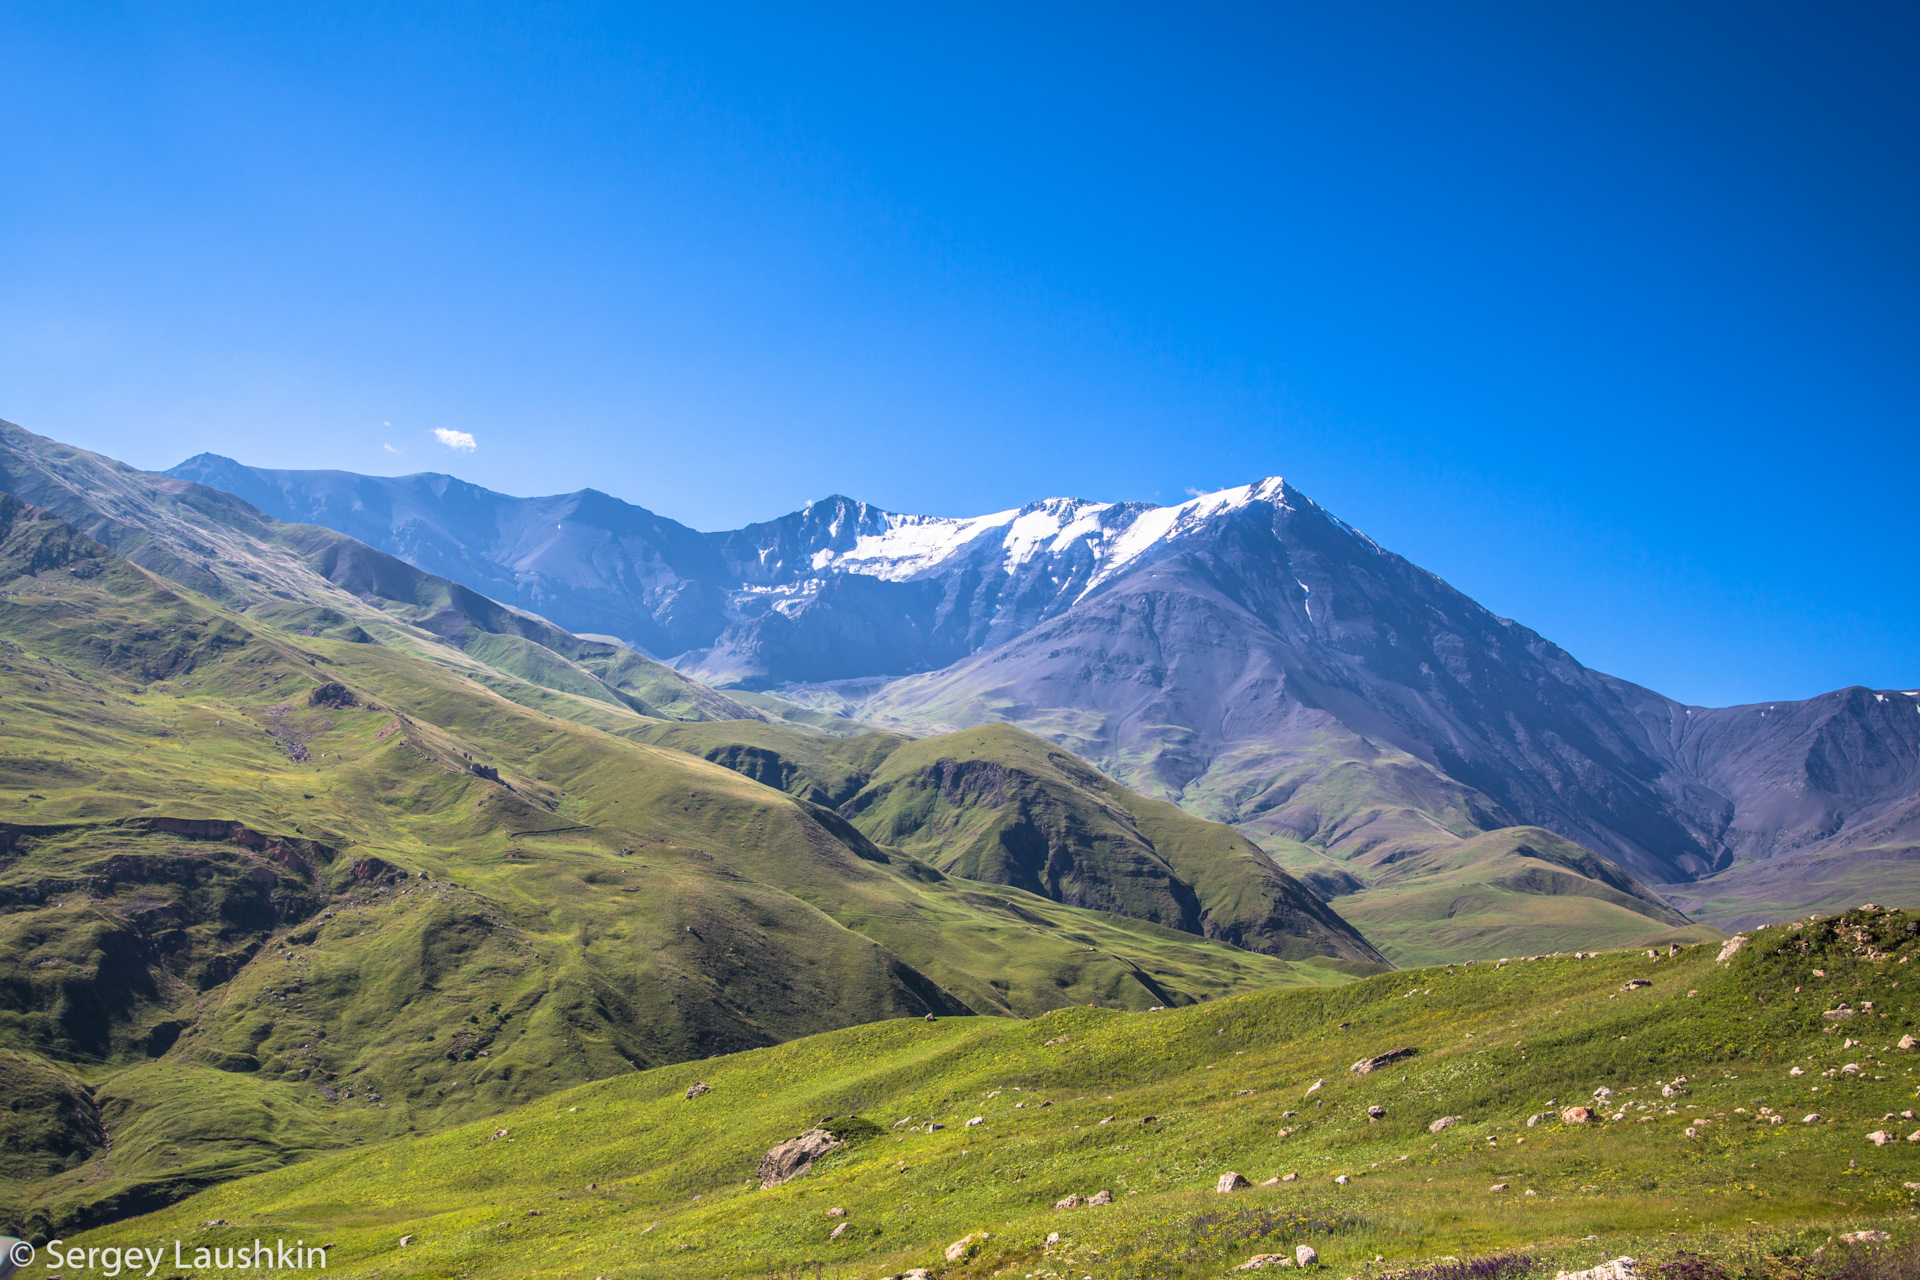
{"points": [[325, 854]]}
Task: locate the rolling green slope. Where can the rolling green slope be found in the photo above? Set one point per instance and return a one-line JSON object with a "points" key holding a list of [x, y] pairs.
{"points": [[1506, 892], [999, 804], [264, 894], [1700, 1139]]}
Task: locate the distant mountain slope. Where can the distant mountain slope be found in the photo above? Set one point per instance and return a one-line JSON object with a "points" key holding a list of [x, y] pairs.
{"points": [[1001, 805], [1245, 654], [265, 894], [309, 579]]}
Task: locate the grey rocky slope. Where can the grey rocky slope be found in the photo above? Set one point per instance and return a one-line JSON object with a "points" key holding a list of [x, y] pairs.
{"points": [[1246, 654]]}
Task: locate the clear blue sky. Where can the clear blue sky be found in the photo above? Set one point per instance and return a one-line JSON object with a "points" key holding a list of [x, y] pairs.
{"points": [[1608, 313]]}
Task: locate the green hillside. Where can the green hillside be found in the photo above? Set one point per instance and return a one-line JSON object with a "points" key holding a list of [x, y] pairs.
{"points": [[999, 804], [265, 894], [1730, 1118], [311, 581], [1518, 889]]}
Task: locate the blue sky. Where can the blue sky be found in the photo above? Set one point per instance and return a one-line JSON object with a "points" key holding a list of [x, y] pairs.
{"points": [[1609, 314]]}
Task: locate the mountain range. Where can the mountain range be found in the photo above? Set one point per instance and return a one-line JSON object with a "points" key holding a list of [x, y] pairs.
{"points": [[336, 809], [1246, 655]]}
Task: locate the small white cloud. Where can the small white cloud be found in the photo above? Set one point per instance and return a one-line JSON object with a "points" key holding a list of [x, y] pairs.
{"points": [[458, 441], [389, 448], [1193, 492]]}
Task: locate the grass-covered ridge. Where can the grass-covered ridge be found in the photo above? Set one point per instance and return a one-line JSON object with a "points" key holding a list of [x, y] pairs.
{"points": [[629, 1178], [265, 894], [998, 804]]}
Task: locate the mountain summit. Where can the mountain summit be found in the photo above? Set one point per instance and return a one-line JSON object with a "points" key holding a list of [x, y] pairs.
{"points": [[1246, 654]]}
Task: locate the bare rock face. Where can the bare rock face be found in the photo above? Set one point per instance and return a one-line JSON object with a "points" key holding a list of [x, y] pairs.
{"points": [[1367, 1066], [1100, 1197], [790, 1159]]}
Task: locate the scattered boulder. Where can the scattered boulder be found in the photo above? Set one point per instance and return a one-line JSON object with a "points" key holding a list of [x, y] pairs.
{"points": [[1634, 984], [1289, 1177], [698, 1088], [1540, 1118], [836, 1212], [405, 1241], [1813, 1118], [1100, 1197], [838, 1231], [1444, 1122], [1576, 1115], [332, 695], [1315, 1087], [1603, 1093], [1306, 1255], [982, 1120], [1367, 1066], [1376, 1113], [1835, 1015], [1617, 1269], [790, 1159], [966, 1246], [1068, 1202], [1728, 950], [1880, 1137], [1866, 1237], [1907, 1042], [1342, 1180], [1230, 1182], [1260, 1260]]}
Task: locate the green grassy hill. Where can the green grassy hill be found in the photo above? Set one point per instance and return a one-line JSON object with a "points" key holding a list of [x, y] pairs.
{"points": [[1730, 1117], [1514, 890], [265, 894], [999, 804]]}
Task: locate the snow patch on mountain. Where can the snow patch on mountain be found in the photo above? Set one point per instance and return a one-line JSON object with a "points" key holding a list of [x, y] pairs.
{"points": [[1162, 524], [1115, 534]]}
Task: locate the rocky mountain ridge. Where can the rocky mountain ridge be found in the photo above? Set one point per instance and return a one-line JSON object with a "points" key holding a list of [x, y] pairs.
{"points": [[1246, 654]]}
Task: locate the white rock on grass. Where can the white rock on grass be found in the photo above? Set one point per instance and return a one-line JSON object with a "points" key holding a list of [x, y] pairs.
{"points": [[1306, 1255], [1617, 1269], [966, 1246], [1230, 1182], [1262, 1260]]}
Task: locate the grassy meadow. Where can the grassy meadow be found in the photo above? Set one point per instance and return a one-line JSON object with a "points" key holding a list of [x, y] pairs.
{"points": [[628, 1178]]}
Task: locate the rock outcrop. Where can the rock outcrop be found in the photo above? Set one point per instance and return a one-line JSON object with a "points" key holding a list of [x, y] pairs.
{"points": [[790, 1159]]}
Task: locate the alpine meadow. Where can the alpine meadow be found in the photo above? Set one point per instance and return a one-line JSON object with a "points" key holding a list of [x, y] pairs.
{"points": [[755, 642]]}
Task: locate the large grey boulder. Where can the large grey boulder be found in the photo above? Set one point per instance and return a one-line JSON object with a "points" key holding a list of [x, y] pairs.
{"points": [[790, 1159]]}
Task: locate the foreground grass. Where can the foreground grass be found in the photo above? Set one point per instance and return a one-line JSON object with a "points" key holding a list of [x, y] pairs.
{"points": [[629, 1178]]}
